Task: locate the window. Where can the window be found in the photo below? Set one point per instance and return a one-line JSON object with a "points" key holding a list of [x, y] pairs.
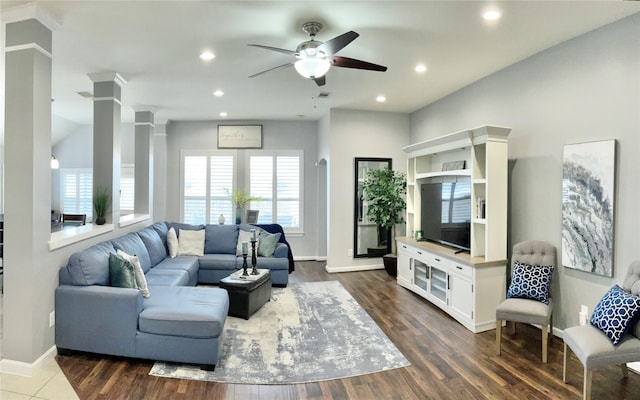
{"points": [[207, 185], [77, 191], [277, 179], [127, 189]]}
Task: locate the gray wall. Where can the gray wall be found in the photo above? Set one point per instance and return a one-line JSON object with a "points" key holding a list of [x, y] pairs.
{"points": [[277, 135], [347, 134], [586, 89]]}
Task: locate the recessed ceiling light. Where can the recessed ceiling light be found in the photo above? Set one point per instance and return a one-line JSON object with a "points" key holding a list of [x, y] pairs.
{"points": [[223, 114], [207, 56], [421, 68], [492, 15], [218, 93], [381, 99]]}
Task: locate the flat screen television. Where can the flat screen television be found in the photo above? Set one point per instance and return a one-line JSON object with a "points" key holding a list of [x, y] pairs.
{"points": [[446, 213]]}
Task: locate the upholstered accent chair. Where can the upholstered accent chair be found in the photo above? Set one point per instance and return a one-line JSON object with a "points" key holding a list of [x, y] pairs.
{"points": [[530, 255], [595, 349]]}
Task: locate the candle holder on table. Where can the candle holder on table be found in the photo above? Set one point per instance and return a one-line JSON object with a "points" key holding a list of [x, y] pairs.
{"points": [[254, 259], [244, 259]]}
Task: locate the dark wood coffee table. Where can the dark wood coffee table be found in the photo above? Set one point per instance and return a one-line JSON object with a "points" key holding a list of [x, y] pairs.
{"points": [[247, 295]]}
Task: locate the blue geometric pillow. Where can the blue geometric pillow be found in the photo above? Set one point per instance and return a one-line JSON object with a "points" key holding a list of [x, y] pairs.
{"points": [[615, 313], [530, 282]]}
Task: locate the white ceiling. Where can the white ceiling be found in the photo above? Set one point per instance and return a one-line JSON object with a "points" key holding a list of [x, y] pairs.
{"points": [[155, 46]]}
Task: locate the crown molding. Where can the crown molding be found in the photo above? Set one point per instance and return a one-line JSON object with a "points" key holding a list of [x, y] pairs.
{"points": [[107, 76]]}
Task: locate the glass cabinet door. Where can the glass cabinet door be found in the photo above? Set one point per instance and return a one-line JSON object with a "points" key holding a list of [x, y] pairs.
{"points": [[439, 284], [421, 274]]}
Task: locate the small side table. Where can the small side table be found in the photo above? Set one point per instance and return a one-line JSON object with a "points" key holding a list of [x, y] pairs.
{"points": [[247, 294]]}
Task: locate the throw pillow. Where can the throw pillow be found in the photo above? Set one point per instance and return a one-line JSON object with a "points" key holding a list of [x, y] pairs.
{"points": [[141, 280], [191, 243], [268, 243], [245, 236], [615, 313], [172, 242], [121, 273], [530, 282]]}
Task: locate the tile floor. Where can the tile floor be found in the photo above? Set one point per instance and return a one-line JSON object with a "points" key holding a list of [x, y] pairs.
{"points": [[49, 384]]}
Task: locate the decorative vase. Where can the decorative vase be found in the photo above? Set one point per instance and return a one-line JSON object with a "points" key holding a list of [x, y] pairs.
{"points": [[221, 219], [390, 262], [238, 215], [100, 221]]}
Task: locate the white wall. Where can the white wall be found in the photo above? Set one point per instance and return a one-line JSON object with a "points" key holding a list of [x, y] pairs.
{"points": [[277, 135], [586, 89], [357, 134]]}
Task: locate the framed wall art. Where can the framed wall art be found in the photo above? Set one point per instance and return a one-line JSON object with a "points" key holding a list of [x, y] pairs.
{"points": [[239, 136], [588, 188]]}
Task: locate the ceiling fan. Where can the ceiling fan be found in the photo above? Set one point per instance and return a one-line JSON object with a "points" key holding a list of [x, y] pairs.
{"points": [[314, 58]]}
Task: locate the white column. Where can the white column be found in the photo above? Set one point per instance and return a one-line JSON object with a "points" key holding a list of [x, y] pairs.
{"points": [[107, 88], [144, 127], [160, 171], [29, 280]]}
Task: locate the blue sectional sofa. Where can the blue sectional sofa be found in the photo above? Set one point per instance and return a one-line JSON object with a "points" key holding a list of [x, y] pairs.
{"points": [[178, 322]]}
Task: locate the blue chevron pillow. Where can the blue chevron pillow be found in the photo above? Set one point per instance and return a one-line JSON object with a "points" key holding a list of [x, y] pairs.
{"points": [[530, 282], [615, 313]]}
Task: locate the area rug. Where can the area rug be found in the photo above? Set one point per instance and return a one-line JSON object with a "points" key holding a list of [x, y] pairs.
{"points": [[308, 332]]}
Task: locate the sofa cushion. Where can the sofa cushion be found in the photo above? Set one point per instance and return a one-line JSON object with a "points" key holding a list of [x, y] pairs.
{"points": [[245, 236], [268, 243], [141, 281], [121, 272], [132, 244], [91, 266], [185, 311], [153, 243], [184, 263], [191, 243], [185, 227], [161, 229], [220, 261], [220, 239], [615, 313], [172, 242], [166, 277]]}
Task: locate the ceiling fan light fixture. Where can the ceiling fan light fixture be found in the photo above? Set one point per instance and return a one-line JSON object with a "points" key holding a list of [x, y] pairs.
{"points": [[312, 67]]}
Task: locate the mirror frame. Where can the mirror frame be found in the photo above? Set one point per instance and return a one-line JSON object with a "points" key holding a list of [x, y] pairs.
{"points": [[357, 208]]}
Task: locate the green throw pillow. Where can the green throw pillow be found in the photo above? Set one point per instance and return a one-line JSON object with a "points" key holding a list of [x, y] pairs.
{"points": [[267, 243], [121, 272]]}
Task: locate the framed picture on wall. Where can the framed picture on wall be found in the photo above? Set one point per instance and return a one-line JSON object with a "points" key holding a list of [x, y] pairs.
{"points": [[588, 180], [239, 136]]}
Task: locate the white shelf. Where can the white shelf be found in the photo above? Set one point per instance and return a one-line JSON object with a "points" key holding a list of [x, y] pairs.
{"points": [[457, 172]]}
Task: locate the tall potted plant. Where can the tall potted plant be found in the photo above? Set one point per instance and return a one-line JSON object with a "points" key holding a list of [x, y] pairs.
{"points": [[383, 192], [101, 200]]}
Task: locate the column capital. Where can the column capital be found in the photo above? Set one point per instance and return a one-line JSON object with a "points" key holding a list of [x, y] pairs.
{"points": [[31, 11], [107, 76], [145, 108]]}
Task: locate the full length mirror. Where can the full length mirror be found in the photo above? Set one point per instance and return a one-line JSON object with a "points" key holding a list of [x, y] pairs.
{"points": [[369, 239]]}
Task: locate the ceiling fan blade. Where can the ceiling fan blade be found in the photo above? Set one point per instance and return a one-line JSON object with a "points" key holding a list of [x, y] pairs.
{"points": [[320, 81], [332, 46], [271, 69], [279, 50], [346, 62]]}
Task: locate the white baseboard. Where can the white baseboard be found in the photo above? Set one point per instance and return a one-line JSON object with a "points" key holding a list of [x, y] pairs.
{"points": [[353, 268], [310, 258], [25, 369]]}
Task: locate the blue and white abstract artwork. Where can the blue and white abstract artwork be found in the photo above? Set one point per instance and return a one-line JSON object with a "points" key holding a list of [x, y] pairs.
{"points": [[588, 180]]}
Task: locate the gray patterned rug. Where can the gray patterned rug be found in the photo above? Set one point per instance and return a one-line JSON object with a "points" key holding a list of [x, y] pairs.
{"points": [[308, 332]]}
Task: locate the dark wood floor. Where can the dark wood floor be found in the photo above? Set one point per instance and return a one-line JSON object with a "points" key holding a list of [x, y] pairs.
{"points": [[447, 361]]}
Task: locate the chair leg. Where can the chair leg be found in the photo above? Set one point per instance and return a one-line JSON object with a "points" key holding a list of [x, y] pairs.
{"points": [[564, 364], [586, 387], [625, 371], [498, 335], [545, 339], [513, 328]]}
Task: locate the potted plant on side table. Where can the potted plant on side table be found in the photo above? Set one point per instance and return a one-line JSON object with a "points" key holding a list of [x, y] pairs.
{"points": [[240, 199], [101, 200], [383, 192]]}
